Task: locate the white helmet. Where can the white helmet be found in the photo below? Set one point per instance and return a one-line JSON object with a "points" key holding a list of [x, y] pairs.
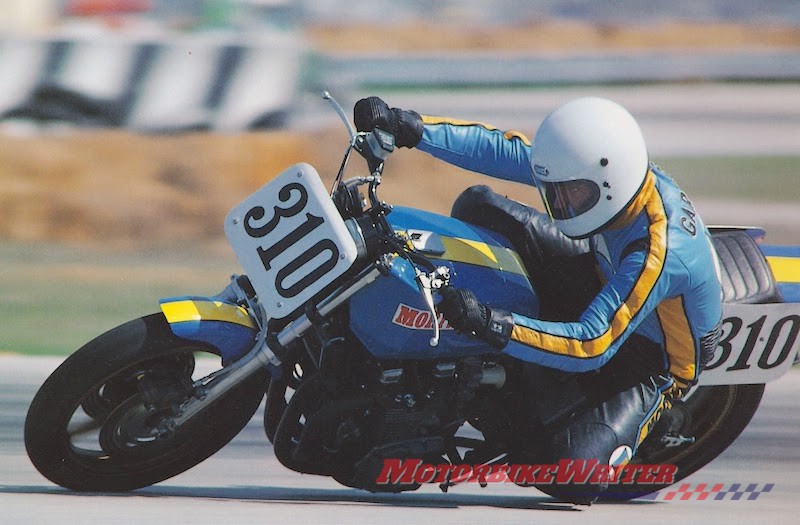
{"points": [[589, 160]]}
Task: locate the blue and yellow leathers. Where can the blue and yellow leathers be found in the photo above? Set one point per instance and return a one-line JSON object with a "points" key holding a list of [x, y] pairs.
{"points": [[658, 311], [659, 269], [606, 378]]}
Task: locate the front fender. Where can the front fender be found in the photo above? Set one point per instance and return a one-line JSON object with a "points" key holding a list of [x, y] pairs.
{"points": [[227, 327]]}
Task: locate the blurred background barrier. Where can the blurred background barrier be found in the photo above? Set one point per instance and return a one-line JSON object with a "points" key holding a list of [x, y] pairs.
{"points": [[237, 65], [229, 82], [493, 69], [175, 83]]}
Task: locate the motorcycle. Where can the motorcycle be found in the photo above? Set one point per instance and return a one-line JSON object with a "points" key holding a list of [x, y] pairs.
{"points": [[335, 322]]}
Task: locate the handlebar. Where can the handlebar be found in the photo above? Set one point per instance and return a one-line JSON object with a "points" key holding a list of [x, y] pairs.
{"points": [[375, 146]]}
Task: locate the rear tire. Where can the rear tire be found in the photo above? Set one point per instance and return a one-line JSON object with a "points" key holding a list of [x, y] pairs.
{"points": [[86, 428], [718, 416]]}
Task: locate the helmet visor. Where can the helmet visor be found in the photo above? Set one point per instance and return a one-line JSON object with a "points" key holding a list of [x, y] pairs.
{"points": [[569, 199]]}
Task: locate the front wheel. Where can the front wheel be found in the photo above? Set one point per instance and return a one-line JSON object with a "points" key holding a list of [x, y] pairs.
{"points": [[100, 422]]}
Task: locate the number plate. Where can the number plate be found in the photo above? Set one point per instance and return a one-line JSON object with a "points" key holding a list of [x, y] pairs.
{"points": [[290, 239], [759, 344]]}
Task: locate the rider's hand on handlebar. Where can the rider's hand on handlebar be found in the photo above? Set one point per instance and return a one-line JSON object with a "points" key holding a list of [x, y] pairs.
{"points": [[372, 112], [466, 314]]}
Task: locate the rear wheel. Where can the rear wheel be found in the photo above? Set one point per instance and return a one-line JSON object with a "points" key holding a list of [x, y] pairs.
{"points": [[715, 417], [101, 421]]}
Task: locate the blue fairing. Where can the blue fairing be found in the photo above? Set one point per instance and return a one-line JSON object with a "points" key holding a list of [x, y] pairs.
{"points": [[790, 292], [232, 340], [780, 251], [225, 326], [390, 317]]}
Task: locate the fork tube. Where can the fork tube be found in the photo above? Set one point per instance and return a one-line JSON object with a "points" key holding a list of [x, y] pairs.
{"points": [[262, 355], [297, 327]]}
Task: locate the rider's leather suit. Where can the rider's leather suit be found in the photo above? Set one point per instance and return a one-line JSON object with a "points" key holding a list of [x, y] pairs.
{"points": [[659, 281]]}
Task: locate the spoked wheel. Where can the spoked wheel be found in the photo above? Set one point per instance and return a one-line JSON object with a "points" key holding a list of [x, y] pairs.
{"points": [[714, 416], [101, 421]]}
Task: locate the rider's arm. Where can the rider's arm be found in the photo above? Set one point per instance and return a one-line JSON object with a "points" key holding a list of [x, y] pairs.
{"points": [[478, 147], [630, 295], [638, 284]]}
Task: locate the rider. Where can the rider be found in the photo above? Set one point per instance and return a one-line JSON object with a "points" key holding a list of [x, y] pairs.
{"points": [[602, 377]]}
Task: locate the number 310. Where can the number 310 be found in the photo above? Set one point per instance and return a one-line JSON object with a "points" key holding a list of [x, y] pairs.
{"points": [[311, 222]]}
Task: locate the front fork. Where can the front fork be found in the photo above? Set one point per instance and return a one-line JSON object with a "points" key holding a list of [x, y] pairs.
{"points": [[268, 347]]}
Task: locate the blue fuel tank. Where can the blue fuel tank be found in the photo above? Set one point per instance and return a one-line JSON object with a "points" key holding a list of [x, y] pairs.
{"points": [[390, 316]]}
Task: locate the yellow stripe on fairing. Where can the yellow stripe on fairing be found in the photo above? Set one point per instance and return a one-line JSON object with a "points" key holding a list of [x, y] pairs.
{"points": [[478, 253], [193, 310], [465, 249], [482, 254], [786, 269]]}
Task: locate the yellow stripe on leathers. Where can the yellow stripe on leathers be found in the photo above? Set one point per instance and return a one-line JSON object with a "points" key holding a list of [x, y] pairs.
{"points": [[653, 265], [429, 119], [196, 310], [678, 339]]}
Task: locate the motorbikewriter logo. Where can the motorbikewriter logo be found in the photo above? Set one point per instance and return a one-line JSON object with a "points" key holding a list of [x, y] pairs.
{"points": [[410, 317], [566, 471]]}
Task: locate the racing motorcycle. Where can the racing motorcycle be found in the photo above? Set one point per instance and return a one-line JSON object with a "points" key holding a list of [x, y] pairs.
{"points": [[335, 322]]}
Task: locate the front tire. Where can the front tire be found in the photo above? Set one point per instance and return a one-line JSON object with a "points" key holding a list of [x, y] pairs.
{"points": [[90, 426]]}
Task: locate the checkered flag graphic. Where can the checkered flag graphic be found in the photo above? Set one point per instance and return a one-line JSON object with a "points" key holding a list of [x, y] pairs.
{"points": [[712, 492]]}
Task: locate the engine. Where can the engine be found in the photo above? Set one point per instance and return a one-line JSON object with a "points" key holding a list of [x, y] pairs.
{"points": [[351, 413]]}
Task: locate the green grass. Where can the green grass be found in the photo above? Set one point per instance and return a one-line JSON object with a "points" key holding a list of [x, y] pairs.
{"points": [[773, 179], [54, 299]]}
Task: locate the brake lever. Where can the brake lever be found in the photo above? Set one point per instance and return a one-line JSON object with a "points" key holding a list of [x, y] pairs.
{"points": [[428, 282]]}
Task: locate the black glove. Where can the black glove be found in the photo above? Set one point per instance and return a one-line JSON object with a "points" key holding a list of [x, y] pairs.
{"points": [[406, 126], [465, 314]]}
